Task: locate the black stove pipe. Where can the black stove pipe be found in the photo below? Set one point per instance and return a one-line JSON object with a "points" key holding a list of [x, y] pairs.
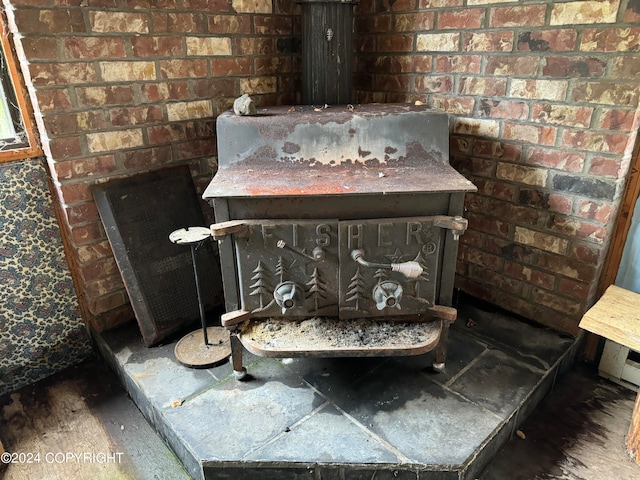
{"points": [[327, 27]]}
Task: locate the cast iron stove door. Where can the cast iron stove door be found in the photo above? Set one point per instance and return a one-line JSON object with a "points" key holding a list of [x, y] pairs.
{"points": [[371, 287], [345, 269], [289, 268]]}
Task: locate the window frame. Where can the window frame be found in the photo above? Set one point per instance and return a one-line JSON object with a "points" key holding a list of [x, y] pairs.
{"points": [[17, 94]]}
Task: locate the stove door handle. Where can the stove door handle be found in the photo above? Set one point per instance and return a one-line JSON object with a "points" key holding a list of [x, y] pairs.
{"points": [[410, 270]]}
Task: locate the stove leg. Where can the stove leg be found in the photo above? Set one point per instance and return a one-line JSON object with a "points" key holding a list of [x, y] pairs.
{"points": [[236, 357], [441, 348]]}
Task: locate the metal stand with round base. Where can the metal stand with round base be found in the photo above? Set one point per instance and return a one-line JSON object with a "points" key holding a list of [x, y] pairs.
{"points": [[193, 352], [209, 346]]}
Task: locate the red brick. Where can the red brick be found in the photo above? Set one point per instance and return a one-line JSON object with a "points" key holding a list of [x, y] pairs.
{"points": [[493, 149], [81, 213], [405, 22], [194, 149], [262, 66], [74, 192], [529, 133], [147, 157], [500, 282], [615, 119], [161, 92], [52, 74], [500, 41], [402, 5], [573, 289], [632, 13], [365, 43], [530, 15], [605, 167], [533, 276], [491, 87], [488, 225], [573, 227], [216, 87], [107, 303], [84, 167], [255, 46], [40, 48], [484, 259], [471, 18], [93, 47], [395, 43], [590, 141], [556, 302], [495, 189], [157, 46], [87, 233], [556, 159], [136, 115], [625, 68], [65, 147], [166, 133], [422, 4], [454, 105], [612, 93], [272, 25], [432, 84], [231, 24], [588, 253], [547, 40], [458, 64], [100, 269], [391, 83], [405, 63], [53, 99], [562, 115], [177, 23], [504, 109], [592, 210], [138, 4], [101, 96], [512, 65], [62, 124], [181, 68], [207, 5], [610, 39], [103, 285], [380, 23], [49, 21], [564, 67], [560, 203], [476, 166]]}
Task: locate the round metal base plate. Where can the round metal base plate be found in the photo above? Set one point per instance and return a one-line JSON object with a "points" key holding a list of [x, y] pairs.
{"points": [[192, 352]]}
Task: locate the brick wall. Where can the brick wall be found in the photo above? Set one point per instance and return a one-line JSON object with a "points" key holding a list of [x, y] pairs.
{"points": [[544, 97], [124, 86]]}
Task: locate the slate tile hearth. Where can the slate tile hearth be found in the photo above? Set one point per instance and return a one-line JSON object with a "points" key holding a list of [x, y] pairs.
{"points": [[347, 418]]}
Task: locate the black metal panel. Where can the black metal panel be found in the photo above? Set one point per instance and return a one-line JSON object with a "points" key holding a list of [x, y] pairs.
{"points": [[138, 214]]}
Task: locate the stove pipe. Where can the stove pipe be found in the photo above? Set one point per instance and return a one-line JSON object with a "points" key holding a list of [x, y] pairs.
{"points": [[326, 51]]}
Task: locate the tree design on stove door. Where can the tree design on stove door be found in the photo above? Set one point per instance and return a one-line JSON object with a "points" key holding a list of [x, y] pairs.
{"points": [[317, 289], [261, 286], [424, 277], [281, 269], [356, 289]]}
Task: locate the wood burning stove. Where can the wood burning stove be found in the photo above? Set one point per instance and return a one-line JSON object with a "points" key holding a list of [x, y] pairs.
{"points": [[338, 230]]}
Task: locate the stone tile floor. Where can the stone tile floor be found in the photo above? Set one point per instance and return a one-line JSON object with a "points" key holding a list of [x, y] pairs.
{"points": [[348, 418]]}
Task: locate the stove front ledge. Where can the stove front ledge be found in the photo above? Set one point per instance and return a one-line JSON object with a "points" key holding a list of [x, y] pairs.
{"points": [[330, 337]]}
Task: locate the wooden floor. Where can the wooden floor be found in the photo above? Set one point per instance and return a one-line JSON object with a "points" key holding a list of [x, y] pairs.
{"points": [[83, 425], [577, 433]]}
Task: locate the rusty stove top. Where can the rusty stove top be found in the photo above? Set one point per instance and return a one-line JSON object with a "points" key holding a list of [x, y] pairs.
{"points": [[303, 150]]}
